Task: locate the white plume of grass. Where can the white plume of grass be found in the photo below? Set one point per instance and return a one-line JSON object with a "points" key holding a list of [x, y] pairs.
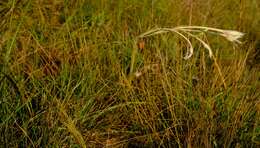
{"points": [[189, 32], [185, 31], [232, 35]]}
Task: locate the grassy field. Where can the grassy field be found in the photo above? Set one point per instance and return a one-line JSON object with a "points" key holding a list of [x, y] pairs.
{"points": [[75, 74]]}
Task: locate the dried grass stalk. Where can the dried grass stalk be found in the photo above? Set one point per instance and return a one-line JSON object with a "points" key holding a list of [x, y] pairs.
{"points": [[185, 31]]}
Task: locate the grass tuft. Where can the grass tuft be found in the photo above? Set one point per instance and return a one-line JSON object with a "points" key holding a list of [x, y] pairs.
{"points": [[106, 73]]}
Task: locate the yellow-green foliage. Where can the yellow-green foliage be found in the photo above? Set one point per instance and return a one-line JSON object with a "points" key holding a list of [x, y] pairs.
{"points": [[81, 73]]}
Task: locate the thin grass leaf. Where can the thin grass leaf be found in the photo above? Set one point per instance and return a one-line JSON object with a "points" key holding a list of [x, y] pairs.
{"points": [[190, 53], [203, 43]]}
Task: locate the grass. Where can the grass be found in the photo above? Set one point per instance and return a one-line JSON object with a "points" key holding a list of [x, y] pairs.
{"points": [[101, 73]]}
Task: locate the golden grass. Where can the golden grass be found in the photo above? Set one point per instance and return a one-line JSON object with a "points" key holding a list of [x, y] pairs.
{"points": [[83, 74]]}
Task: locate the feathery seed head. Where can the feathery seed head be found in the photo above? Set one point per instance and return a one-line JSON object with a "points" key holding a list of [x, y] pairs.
{"points": [[232, 35]]}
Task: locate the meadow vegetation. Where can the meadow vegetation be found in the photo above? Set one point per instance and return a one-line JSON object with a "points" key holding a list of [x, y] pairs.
{"points": [[75, 74]]}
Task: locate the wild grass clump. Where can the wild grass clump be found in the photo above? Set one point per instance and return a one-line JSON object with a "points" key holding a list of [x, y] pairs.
{"points": [[83, 74]]}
